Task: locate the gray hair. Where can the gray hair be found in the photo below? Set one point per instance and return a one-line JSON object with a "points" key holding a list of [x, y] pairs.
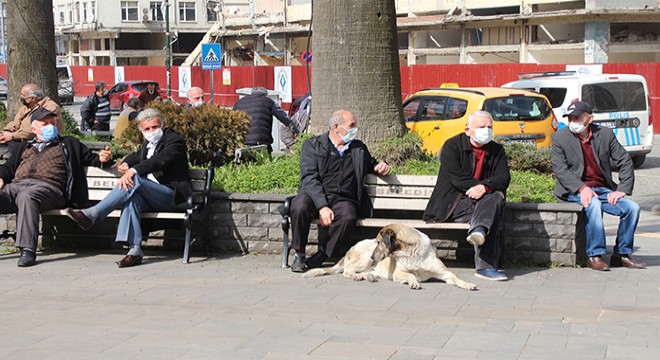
{"points": [[36, 93], [133, 102], [479, 114], [338, 117], [148, 114], [259, 90]]}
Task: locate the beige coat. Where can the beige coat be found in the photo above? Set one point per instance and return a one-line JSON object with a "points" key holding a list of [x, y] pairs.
{"points": [[21, 126]]}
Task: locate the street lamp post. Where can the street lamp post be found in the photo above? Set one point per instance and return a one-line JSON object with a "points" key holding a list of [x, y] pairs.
{"points": [[168, 51]]}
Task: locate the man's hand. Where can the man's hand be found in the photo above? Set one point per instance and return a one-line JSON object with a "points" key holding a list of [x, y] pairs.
{"points": [[126, 180], [382, 168], [105, 155], [326, 216], [614, 196], [5, 136], [476, 192], [586, 195], [2, 183], [122, 168]]}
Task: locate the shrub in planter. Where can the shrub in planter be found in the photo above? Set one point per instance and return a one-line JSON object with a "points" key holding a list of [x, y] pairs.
{"points": [[208, 130], [528, 158]]}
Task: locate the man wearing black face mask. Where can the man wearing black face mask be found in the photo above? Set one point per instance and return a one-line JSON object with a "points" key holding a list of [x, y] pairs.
{"points": [[32, 98], [43, 174]]}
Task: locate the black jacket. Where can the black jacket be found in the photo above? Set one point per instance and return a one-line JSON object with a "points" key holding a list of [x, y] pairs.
{"points": [[261, 110], [89, 107], [77, 156], [169, 164], [457, 164], [314, 158]]}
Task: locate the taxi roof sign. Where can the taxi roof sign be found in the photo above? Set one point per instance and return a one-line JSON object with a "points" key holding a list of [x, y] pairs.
{"points": [[449, 85]]}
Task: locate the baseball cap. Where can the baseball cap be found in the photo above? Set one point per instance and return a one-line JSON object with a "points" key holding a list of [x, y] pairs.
{"points": [[578, 108], [41, 113]]}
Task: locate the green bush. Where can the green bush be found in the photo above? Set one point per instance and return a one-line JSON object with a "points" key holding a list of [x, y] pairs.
{"points": [[3, 115], [212, 133], [71, 127], [529, 158], [281, 175], [398, 151]]}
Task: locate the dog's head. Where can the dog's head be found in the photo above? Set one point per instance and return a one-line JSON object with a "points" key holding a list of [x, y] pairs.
{"points": [[386, 243]]}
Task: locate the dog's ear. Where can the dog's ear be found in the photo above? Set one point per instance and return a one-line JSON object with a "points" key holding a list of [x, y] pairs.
{"points": [[389, 239]]}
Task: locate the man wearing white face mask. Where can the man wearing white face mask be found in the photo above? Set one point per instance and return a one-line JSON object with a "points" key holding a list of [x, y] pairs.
{"points": [[43, 174], [195, 97], [155, 178], [471, 188], [333, 169], [581, 156]]}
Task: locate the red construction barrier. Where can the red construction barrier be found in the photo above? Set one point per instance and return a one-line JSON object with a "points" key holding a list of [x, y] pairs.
{"points": [[413, 78]]}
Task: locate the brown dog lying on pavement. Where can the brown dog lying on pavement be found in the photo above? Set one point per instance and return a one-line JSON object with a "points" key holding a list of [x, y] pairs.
{"points": [[399, 253]]}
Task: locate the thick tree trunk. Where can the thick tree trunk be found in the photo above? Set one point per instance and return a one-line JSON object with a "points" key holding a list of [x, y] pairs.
{"points": [[31, 52], [356, 66]]}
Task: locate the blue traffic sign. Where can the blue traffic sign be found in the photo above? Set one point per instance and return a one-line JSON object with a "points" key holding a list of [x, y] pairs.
{"points": [[211, 57]]}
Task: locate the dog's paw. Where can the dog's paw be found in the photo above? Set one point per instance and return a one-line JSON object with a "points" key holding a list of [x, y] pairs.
{"points": [[469, 286], [415, 285], [371, 277]]}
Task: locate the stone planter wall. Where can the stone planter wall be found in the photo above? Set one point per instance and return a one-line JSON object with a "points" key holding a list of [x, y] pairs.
{"points": [[533, 233]]}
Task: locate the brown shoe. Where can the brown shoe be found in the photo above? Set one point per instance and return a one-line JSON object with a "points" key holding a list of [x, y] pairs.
{"points": [[129, 260], [79, 218], [625, 260], [597, 263]]}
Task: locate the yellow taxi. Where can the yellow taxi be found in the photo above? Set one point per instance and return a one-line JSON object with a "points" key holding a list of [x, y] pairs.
{"points": [[519, 115]]}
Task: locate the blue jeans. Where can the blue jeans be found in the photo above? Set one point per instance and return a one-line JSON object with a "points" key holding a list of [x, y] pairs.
{"points": [[626, 209], [146, 195]]}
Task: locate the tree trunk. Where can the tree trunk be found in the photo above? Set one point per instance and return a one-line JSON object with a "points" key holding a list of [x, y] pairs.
{"points": [[356, 66], [31, 52]]}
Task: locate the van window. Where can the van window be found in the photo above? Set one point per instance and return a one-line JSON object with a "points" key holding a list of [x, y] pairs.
{"points": [[615, 96], [556, 96], [518, 108]]}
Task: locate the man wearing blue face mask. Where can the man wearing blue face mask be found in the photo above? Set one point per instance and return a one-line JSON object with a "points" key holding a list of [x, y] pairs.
{"points": [[471, 188], [581, 156], [155, 178], [43, 174], [333, 169]]}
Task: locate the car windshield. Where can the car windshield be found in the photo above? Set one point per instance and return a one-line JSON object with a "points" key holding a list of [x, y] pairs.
{"points": [[142, 86], [615, 96], [518, 108]]}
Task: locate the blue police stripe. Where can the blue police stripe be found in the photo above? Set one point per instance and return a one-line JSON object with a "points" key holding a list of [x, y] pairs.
{"points": [[639, 140], [625, 131]]}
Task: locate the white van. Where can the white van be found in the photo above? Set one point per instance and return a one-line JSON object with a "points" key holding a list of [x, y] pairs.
{"points": [[620, 102], [65, 84]]}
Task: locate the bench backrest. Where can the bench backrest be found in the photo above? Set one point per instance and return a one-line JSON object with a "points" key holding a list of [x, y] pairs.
{"points": [[101, 181], [400, 192]]}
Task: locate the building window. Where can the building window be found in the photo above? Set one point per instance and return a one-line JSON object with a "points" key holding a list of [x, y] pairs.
{"points": [[84, 12], [77, 11], [155, 11], [187, 11], [62, 13], [129, 11], [211, 14]]}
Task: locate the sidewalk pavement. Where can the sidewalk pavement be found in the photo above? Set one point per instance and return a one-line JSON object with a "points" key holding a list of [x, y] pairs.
{"points": [[81, 306]]}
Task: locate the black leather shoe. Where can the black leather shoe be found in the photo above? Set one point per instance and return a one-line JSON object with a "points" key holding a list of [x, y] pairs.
{"points": [[28, 258], [80, 218], [626, 260], [298, 264], [129, 260], [597, 263], [316, 260]]}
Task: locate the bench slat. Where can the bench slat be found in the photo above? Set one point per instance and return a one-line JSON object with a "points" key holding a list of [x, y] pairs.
{"points": [[380, 203], [117, 213], [403, 180]]}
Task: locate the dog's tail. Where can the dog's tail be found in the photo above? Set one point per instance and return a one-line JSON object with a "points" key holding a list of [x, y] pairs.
{"points": [[337, 269]]}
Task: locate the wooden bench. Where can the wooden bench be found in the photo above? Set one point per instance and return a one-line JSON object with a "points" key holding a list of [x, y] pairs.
{"points": [[390, 192], [100, 182]]}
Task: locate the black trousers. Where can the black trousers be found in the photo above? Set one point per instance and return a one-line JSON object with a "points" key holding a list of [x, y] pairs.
{"points": [[303, 211], [486, 212]]}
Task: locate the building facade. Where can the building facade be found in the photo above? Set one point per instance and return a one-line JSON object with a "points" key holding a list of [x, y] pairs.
{"points": [[118, 32], [275, 32], [457, 31]]}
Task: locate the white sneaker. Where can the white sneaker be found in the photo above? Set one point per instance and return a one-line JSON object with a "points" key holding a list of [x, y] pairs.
{"points": [[476, 238]]}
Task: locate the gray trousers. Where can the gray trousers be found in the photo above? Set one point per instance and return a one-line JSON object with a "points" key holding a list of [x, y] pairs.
{"points": [[28, 198]]}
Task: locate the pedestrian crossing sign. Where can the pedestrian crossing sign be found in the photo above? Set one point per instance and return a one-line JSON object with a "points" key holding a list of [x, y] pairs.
{"points": [[211, 57]]}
